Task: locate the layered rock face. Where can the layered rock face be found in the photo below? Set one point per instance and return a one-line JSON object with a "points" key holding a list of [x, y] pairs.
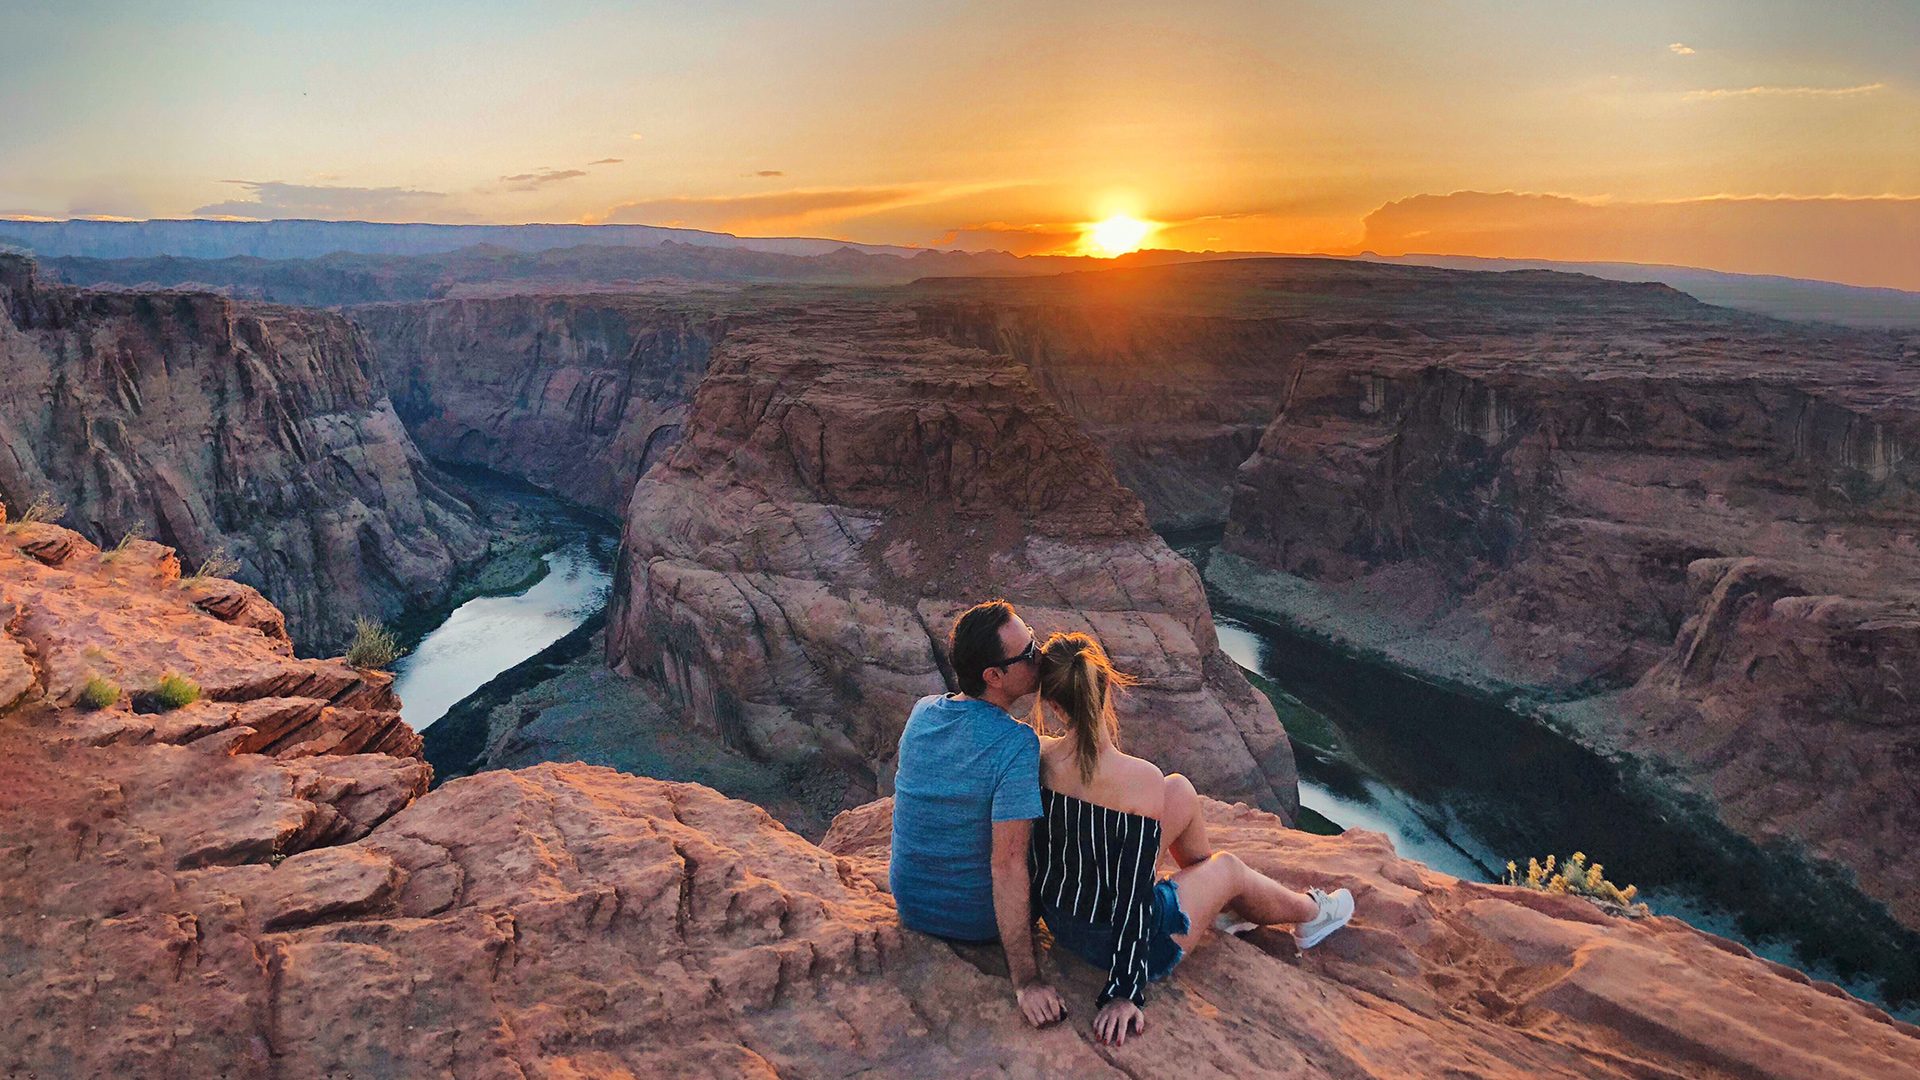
{"points": [[214, 424], [185, 899], [1176, 400], [1685, 532], [844, 487], [579, 395]]}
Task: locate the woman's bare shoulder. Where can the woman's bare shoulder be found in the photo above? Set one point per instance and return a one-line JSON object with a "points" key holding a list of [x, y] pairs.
{"points": [[1142, 784]]}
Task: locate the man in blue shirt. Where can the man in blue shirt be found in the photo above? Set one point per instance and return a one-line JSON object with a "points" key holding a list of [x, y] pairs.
{"points": [[965, 798]]}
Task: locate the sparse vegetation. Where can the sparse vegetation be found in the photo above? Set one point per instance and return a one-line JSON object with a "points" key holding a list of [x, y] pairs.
{"points": [[373, 648], [1576, 878], [137, 533], [43, 508], [175, 691], [99, 693], [217, 564]]}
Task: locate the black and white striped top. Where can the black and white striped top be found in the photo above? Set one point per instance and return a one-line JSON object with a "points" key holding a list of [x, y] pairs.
{"points": [[1095, 864]]}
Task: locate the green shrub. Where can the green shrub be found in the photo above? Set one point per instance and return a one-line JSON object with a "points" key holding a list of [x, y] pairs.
{"points": [[99, 693], [1576, 878], [175, 691], [373, 648]]}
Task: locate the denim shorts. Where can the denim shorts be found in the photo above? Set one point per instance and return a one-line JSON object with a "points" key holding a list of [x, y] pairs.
{"points": [[1095, 942]]}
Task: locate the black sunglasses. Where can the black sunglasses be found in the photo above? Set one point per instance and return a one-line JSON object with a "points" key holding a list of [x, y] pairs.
{"points": [[1031, 652]]}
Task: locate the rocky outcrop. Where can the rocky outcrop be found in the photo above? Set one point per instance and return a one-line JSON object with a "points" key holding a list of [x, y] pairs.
{"points": [[213, 424], [843, 488], [579, 395], [177, 904]]}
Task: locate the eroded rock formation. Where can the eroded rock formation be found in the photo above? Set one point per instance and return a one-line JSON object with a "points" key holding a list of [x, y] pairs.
{"points": [[843, 488], [177, 904], [214, 424]]}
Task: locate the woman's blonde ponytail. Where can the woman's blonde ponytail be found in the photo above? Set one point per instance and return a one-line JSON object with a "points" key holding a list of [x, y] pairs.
{"points": [[1078, 680]]}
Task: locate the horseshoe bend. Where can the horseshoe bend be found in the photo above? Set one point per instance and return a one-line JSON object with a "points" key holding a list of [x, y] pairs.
{"points": [[1673, 536]]}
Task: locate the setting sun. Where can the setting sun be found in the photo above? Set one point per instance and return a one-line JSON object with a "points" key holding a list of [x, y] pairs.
{"points": [[1118, 235]]}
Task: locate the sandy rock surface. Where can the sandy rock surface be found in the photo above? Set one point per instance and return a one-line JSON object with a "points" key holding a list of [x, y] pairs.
{"points": [[199, 910]]}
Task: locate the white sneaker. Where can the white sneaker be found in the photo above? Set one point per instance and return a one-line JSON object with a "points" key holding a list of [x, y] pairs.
{"points": [[1335, 909]]}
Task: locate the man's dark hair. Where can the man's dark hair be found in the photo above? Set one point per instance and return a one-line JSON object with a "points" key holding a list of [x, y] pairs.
{"points": [[974, 646]]}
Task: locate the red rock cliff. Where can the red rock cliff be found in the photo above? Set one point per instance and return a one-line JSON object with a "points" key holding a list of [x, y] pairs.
{"points": [[211, 423]]}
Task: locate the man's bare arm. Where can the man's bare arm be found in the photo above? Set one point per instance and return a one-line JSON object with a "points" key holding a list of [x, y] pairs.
{"points": [[1013, 910]]}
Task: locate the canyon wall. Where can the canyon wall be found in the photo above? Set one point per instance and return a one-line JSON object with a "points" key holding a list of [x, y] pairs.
{"points": [[578, 395], [1675, 530], [1177, 401], [1682, 533], [215, 424], [843, 488], [213, 891]]}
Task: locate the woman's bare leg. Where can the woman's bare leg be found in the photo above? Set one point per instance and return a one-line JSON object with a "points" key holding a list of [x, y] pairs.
{"points": [[1222, 881], [1183, 828]]}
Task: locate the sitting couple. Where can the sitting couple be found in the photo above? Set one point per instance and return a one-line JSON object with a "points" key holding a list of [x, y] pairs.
{"points": [[994, 825]]}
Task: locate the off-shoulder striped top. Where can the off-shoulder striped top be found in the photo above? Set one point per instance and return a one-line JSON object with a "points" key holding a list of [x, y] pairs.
{"points": [[1095, 864]]}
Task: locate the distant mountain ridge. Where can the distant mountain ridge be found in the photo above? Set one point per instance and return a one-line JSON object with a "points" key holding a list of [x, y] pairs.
{"points": [[1794, 299], [324, 263], [309, 239]]}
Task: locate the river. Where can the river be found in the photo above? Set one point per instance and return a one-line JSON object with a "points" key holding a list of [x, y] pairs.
{"points": [[1464, 786], [491, 633]]}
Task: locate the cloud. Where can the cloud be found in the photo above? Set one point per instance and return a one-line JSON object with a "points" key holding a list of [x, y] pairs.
{"points": [[1679, 49], [607, 161], [1039, 238], [534, 181], [1786, 91], [1858, 240], [273, 199], [793, 207], [769, 172]]}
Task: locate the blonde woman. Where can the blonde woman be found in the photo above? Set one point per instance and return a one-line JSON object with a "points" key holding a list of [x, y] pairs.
{"points": [[1106, 817]]}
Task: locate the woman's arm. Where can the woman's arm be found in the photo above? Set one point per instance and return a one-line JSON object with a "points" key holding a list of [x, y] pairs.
{"points": [[1127, 973]]}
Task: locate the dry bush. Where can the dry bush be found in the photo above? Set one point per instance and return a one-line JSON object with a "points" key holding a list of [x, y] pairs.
{"points": [[374, 648]]}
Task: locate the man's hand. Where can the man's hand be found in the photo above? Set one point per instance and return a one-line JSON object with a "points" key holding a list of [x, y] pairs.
{"points": [[1012, 909], [1118, 1019], [1040, 1004]]}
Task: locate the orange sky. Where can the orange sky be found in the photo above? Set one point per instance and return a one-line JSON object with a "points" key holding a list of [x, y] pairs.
{"points": [[1764, 136]]}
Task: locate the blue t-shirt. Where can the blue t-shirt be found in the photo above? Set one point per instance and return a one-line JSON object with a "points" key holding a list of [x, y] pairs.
{"points": [[964, 764]]}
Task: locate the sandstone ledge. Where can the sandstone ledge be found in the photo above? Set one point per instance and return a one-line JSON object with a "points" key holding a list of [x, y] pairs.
{"points": [[202, 910]]}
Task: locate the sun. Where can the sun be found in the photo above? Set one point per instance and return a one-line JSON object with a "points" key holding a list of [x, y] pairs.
{"points": [[1118, 235]]}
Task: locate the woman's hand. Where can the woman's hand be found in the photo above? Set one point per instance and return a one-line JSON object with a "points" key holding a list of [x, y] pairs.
{"points": [[1118, 1019]]}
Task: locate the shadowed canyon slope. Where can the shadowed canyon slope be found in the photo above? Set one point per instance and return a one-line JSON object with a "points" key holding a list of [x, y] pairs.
{"points": [[843, 488], [212, 424], [220, 890], [577, 394]]}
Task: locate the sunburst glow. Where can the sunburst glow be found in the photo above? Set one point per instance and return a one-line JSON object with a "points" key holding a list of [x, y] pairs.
{"points": [[1118, 235]]}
